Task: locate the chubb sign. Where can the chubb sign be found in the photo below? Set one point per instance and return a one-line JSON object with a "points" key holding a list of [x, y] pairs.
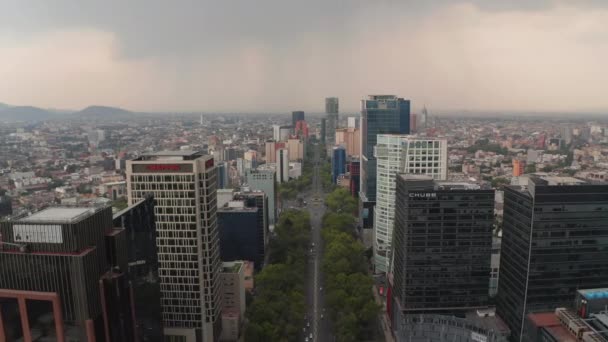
{"points": [[423, 195]]}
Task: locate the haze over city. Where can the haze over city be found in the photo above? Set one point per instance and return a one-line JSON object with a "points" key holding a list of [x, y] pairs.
{"points": [[273, 56], [311, 171]]}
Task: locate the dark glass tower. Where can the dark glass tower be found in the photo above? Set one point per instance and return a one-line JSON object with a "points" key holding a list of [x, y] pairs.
{"points": [[323, 129], [442, 246], [142, 257], [74, 255], [380, 114], [555, 241], [338, 163], [295, 117]]}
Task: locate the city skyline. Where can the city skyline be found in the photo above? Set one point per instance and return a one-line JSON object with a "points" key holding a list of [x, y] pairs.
{"points": [[473, 55]]}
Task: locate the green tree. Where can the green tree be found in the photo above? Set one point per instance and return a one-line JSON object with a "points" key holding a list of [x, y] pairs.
{"points": [[531, 168], [499, 182], [276, 313], [340, 200], [351, 303]]}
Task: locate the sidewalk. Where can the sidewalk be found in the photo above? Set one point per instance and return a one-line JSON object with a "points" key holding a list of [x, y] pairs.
{"points": [[383, 318]]}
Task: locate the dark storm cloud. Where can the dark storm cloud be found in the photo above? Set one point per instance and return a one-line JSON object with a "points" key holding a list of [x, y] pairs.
{"points": [[276, 55], [159, 27]]}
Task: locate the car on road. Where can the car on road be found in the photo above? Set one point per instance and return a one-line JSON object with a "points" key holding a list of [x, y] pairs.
{"points": [[310, 336]]}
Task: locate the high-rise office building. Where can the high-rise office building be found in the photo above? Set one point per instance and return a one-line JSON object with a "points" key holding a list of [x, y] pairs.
{"points": [[258, 199], [413, 123], [296, 149], [394, 154], [139, 223], [332, 105], [222, 175], [355, 177], [350, 138], [238, 230], [338, 162], [301, 129], [331, 109], [518, 167], [233, 293], [241, 233], [380, 114], [282, 163], [425, 118], [554, 241], [295, 117], [265, 180], [323, 130], [184, 184], [442, 246], [250, 160], [353, 122], [566, 134], [271, 148], [281, 132], [232, 153], [74, 259]]}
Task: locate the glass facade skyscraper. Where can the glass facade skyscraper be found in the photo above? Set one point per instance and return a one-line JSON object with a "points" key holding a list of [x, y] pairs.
{"points": [[338, 163], [296, 116], [554, 241], [380, 114], [442, 245]]}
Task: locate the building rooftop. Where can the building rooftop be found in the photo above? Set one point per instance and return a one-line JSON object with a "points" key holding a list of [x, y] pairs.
{"points": [[59, 215], [559, 333], [179, 153], [412, 177], [487, 319], [544, 319], [381, 97], [226, 208], [171, 155], [443, 185], [555, 180], [231, 266], [594, 293]]}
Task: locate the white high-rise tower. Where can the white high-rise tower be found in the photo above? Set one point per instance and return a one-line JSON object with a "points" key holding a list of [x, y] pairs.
{"points": [[397, 153], [184, 185]]}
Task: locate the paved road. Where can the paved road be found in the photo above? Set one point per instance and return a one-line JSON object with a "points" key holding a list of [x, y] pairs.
{"points": [[319, 327]]}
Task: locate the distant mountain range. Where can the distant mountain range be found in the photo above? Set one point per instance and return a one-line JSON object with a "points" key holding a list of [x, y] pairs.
{"points": [[30, 113], [103, 112]]}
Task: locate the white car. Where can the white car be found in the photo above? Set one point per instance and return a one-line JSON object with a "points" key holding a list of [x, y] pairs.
{"points": [[310, 336]]}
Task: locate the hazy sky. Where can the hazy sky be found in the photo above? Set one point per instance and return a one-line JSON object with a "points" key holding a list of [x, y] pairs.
{"points": [[282, 55]]}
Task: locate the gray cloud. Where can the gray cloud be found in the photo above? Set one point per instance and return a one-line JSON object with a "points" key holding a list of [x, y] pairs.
{"points": [[278, 55], [158, 27]]}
